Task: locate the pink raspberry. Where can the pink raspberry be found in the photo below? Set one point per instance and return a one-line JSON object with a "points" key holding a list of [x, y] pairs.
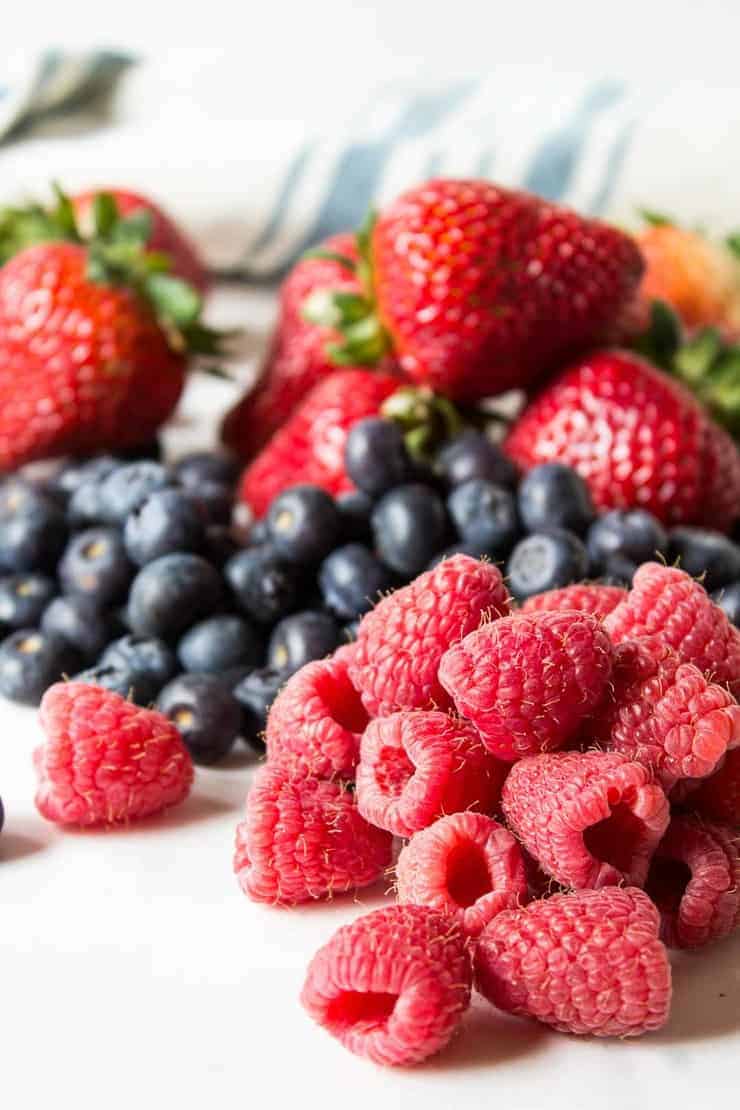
{"points": [[665, 714], [466, 865], [589, 962], [718, 797], [416, 766], [528, 681], [393, 985], [667, 605], [586, 597], [304, 838], [694, 880], [317, 720], [105, 760], [590, 819], [401, 641]]}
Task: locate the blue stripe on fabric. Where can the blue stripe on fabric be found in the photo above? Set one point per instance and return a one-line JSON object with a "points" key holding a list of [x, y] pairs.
{"points": [[612, 170], [291, 181]]}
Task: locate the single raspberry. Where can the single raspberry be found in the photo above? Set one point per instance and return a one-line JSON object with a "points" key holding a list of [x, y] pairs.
{"points": [[400, 643], [667, 605], [665, 714], [317, 720], [586, 597], [694, 880], [304, 838], [466, 865], [718, 797], [416, 766], [105, 760], [588, 962], [393, 985], [590, 819], [527, 682]]}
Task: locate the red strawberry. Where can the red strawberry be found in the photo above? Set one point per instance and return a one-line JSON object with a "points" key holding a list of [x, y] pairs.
{"points": [[638, 437]]}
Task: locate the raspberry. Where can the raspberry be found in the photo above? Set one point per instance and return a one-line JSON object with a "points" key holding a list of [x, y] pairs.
{"points": [[317, 719], [466, 865], [400, 643], [393, 985], [665, 714], [694, 880], [718, 797], [105, 760], [586, 597], [416, 766], [666, 605], [589, 962], [590, 819], [303, 838], [527, 682]]}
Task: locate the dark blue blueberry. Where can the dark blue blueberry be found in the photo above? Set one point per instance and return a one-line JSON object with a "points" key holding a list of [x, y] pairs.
{"points": [[206, 713], [76, 475], [259, 533], [351, 580], [213, 501], [166, 522], [545, 561], [265, 587], [219, 545], [409, 526], [31, 661], [146, 660], [472, 455], [555, 496], [219, 643], [255, 694], [298, 639], [355, 509], [23, 598], [485, 515], [303, 524], [173, 592], [117, 678], [474, 550], [707, 555], [728, 599], [206, 466], [632, 534], [618, 570], [79, 622], [33, 530], [152, 449], [375, 456], [96, 565], [127, 487]]}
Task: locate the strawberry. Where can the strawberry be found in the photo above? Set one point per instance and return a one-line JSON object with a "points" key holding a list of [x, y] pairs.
{"points": [[637, 437]]}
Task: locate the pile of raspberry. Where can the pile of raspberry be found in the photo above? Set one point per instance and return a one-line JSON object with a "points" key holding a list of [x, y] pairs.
{"points": [[553, 790]]}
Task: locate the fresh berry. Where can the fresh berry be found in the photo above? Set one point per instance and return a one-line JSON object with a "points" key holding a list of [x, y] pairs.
{"points": [[304, 838], [585, 597], [317, 720], [106, 761], [85, 504], [219, 545], [172, 593], [32, 528], [354, 510], [80, 623], [217, 644], [728, 600], [709, 556], [31, 661], [255, 693], [416, 766], [127, 487], [391, 986], [119, 679], [409, 526], [485, 516], [165, 522], [466, 865], [23, 598], [694, 880], [402, 640], [265, 586], [95, 565], [590, 962], [303, 524], [147, 661], [632, 535], [214, 502], [376, 457], [637, 438], [205, 712], [668, 606], [546, 561], [473, 455], [78, 473], [590, 819], [718, 797], [300, 638], [555, 496], [194, 470], [352, 580]]}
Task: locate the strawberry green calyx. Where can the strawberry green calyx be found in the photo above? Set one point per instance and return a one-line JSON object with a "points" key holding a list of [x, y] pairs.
{"points": [[428, 420]]}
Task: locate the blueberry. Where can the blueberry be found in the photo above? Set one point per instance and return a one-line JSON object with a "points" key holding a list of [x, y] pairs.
{"points": [[81, 473], [298, 639], [375, 456], [618, 571], [117, 678], [555, 496], [127, 487], [219, 545], [351, 580], [633, 534], [484, 515], [152, 449], [213, 501], [728, 599], [206, 466], [265, 587], [259, 533], [256, 693], [703, 553], [95, 564], [23, 598], [147, 661], [545, 561], [355, 509], [173, 592], [79, 622], [472, 455], [409, 526], [218, 644], [166, 521], [303, 524], [205, 711], [474, 550], [31, 662], [33, 529]]}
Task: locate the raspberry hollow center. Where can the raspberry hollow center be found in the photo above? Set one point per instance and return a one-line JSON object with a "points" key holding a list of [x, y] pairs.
{"points": [[393, 771], [667, 882], [616, 838], [363, 1011], [467, 875], [345, 706]]}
